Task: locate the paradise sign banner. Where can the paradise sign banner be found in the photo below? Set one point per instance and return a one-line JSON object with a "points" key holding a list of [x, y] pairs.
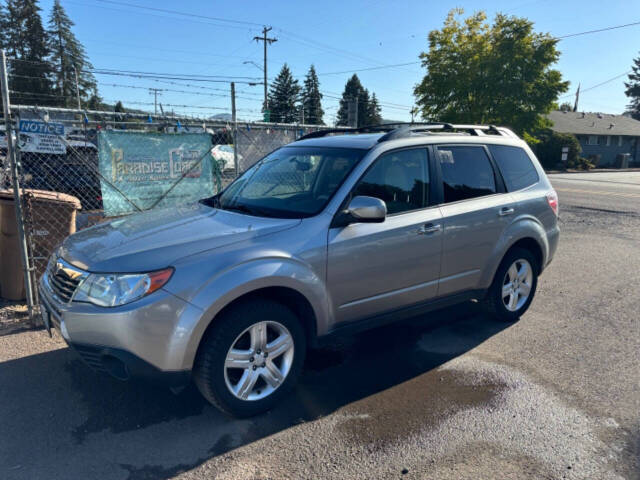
{"points": [[140, 170]]}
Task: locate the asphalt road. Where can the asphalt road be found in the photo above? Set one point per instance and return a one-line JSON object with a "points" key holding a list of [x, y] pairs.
{"points": [[454, 395]]}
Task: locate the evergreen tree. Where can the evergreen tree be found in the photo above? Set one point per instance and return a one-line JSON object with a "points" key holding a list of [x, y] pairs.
{"points": [[354, 91], [283, 97], [119, 108], [27, 42], [312, 99], [95, 101], [4, 26], [565, 107], [374, 116], [633, 89], [68, 54]]}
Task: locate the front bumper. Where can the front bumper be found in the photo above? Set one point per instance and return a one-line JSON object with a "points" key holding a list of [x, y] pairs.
{"points": [[125, 365], [147, 338]]}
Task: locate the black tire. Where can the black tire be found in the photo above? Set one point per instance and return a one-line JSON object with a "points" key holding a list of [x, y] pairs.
{"points": [[493, 302], [209, 366]]}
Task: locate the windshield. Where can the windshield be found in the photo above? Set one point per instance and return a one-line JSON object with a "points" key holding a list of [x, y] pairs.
{"points": [[291, 182]]}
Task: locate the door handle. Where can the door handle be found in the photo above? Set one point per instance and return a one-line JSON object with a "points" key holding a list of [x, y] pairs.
{"points": [[506, 211], [429, 228]]}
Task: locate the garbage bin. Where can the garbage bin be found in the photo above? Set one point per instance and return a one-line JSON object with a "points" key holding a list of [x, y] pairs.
{"points": [[11, 276], [50, 217], [622, 160]]}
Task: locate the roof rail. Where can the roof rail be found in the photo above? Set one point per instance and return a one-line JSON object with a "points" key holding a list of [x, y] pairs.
{"points": [[403, 130], [476, 130], [366, 129]]}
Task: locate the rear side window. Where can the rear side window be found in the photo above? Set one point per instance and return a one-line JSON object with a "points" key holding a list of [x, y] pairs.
{"points": [[466, 173], [400, 179], [516, 166]]}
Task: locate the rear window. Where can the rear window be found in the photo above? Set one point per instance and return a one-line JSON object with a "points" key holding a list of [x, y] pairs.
{"points": [[516, 166], [466, 173]]}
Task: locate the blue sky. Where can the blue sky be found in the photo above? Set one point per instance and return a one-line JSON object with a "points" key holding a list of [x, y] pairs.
{"points": [[336, 36]]}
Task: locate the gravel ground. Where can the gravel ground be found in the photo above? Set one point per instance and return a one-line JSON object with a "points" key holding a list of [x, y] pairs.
{"points": [[13, 316]]}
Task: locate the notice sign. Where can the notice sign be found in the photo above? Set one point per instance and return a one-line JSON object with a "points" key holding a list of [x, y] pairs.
{"points": [[42, 137], [147, 170]]}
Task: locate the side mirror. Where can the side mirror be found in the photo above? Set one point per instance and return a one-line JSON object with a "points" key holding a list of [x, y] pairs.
{"points": [[367, 210]]}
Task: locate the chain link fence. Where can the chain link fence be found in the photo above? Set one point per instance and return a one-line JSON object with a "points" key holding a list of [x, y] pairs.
{"points": [[78, 168]]}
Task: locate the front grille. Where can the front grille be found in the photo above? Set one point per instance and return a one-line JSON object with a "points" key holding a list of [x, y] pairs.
{"points": [[64, 278]]}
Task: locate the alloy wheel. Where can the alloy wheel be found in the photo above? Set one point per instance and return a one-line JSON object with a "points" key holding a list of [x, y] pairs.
{"points": [[516, 286], [259, 360]]}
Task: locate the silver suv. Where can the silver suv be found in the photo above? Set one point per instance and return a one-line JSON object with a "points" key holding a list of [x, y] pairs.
{"points": [[328, 235]]}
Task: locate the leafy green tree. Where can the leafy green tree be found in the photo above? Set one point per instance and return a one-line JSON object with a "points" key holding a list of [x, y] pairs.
{"points": [[374, 116], [633, 89], [283, 97], [312, 98], [119, 108], [496, 74], [26, 41], [354, 92], [70, 57]]}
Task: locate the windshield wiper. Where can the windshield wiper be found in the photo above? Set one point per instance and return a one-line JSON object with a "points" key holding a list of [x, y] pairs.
{"points": [[241, 207]]}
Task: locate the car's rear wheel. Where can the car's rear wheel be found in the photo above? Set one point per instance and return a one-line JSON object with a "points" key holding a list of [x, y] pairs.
{"points": [[250, 357], [514, 285]]}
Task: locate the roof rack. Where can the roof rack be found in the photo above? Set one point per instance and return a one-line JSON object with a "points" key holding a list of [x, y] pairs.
{"points": [[404, 130], [366, 129], [444, 127]]}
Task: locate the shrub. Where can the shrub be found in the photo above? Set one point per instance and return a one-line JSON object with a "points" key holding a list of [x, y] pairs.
{"points": [[581, 164], [549, 150]]}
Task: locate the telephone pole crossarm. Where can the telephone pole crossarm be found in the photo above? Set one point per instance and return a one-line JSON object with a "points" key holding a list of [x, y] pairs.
{"points": [[267, 41]]}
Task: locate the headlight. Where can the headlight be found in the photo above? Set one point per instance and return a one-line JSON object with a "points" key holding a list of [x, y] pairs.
{"points": [[114, 289]]}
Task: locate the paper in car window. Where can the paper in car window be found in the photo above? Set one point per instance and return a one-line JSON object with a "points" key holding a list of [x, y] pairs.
{"points": [[446, 156]]}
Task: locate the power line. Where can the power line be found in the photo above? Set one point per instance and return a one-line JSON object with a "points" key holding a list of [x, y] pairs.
{"points": [[219, 23], [29, 94], [173, 105], [598, 84], [227, 78], [184, 14], [200, 87], [168, 77], [371, 68], [598, 30], [295, 37]]}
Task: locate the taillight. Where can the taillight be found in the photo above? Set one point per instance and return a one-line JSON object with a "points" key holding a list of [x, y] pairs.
{"points": [[552, 198]]}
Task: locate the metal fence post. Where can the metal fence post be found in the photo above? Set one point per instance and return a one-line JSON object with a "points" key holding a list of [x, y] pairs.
{"points": [[11, 153], [235, 127]]}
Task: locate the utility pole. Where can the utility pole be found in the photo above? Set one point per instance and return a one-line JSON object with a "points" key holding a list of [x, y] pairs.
{"points": [[155, 92], [266, 41], [356, 109]]}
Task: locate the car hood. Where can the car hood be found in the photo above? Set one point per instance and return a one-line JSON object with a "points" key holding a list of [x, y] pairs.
{"points": [[155, 239]]}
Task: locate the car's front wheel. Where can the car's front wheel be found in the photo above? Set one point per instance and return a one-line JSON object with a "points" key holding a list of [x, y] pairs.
{"points": [[514, 285], [250, 357]]}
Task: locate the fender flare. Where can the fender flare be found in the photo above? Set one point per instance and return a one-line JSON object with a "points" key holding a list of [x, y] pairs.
{"points": [[523, 227], [248, 277]]}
